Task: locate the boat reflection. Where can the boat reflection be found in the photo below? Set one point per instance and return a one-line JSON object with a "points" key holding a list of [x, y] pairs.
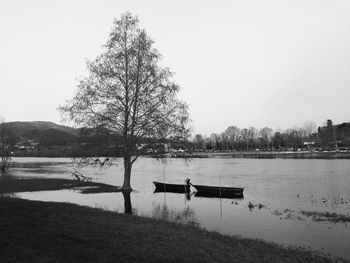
{"points": [[203, 194], [187, 194], [7, 195], [218, 195]]}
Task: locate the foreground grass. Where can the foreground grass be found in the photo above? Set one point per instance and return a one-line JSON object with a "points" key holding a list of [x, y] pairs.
{"points": [[33, 231]]}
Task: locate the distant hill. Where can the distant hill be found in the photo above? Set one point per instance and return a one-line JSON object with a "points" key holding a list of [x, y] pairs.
{"points": [[32, 129], [40, 138]]}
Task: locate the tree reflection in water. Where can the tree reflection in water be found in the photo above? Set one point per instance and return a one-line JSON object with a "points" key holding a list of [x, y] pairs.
{"points": [[127, 202], [7, 195], [185, 216]]}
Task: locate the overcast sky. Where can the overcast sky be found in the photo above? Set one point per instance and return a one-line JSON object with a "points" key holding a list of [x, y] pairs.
{"points": [[244, 63]]}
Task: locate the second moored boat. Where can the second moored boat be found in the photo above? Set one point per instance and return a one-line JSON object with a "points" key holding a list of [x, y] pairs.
{"points": [[218, 191]]}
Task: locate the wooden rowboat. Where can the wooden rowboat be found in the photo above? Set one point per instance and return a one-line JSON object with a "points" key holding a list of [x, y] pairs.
{"points": [[175, 188], [217, 191]]}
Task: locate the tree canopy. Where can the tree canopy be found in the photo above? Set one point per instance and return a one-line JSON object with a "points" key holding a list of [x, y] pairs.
{"points": [[129, 93]]}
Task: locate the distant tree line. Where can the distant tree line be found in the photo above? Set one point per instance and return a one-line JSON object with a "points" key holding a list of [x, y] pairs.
{"points": [[100, 141], [308, 136]]}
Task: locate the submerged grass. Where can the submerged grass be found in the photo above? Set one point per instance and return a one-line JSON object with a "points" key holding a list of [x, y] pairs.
{"points": [[33, 231], [10, 184], [327, 216]]}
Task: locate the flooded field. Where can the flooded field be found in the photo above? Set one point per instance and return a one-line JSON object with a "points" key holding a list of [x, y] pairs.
{"points": [[304, 203]]}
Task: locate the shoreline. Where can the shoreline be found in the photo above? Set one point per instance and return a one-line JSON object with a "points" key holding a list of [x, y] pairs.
{"points": [[262, 155], [233, 154], [294, 155]]}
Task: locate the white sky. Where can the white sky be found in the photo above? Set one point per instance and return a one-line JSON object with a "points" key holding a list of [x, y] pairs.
{"points": [[244, 63]]}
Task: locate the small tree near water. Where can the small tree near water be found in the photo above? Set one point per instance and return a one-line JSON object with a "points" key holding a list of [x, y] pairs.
{"points": [[129, 93], [5, 152]]}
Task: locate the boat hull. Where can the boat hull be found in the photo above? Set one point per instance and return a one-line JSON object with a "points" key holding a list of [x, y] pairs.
{"points": [[174, 188], [217, 191]]}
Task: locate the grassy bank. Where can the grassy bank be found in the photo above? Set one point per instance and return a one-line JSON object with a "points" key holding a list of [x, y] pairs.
{"points": [[33, 231]]}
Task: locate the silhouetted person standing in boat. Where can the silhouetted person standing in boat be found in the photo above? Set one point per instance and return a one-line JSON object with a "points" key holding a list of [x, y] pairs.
{"points": [[188, 185]]}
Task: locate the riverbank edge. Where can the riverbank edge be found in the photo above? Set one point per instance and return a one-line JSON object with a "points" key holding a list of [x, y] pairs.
{"points": [[231, 154], [259, 155], [35, 231]]}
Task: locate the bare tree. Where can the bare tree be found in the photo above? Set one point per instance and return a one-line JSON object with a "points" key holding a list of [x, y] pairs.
{"points": [[232, 134], [130, 94], [214, 141], [244, 134], [5, 151], [199, 142], [253, 134], [266, 136], [309, 127], [294, 137]]}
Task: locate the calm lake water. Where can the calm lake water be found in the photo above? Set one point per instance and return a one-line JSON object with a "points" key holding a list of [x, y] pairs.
{"points": [[280, 189]]}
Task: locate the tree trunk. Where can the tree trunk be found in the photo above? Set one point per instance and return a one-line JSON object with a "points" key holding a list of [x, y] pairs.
{"points": [[127, 173]]}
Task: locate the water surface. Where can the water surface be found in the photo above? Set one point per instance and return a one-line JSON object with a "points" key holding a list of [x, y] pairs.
{"points": [[279, 189]]}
